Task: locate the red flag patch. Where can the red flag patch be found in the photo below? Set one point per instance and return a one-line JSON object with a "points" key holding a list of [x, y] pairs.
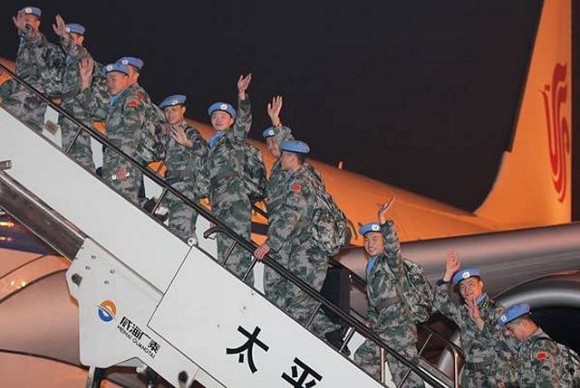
{"points": [[296, 188], [541, 356]]}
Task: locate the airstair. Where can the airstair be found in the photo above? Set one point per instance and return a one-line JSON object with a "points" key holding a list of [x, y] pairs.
{"points": [[149, 300]]}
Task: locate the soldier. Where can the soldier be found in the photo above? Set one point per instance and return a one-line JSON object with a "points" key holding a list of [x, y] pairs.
{"points": [[185, 157], [38, 63], [230, 201], [387, 314], [276, 189], [489, 360], [541, 360], [72, 37], [289, 240], [148, 149], [124, 122], [275, 136]]}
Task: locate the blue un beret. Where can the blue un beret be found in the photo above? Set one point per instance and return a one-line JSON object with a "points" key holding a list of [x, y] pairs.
{"points": [[370, 227], [115, 67], [465, 274], [513, 312], [222, 106], [295, 146], [176, 99], [75, 28], [133, 61], [32, 11]]}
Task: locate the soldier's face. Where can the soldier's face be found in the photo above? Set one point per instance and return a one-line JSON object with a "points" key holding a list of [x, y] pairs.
{"points": [[515, 329], [273, 147], [133, 75], [288, 161], [33, 21], [471, 288], [374, 244], [174, 114], [77, 38], [221, 120], [117, 82]]}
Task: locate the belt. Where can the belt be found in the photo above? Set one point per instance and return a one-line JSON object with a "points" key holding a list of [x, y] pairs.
{"points": [[384, 304], [479, 366]]}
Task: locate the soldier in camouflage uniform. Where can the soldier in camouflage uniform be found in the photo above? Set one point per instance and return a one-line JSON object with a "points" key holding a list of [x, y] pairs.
{"points": [[38, 63], [230, 202], [276, 189], [541, 362], [489, 358], [387, 315], [185, 157], [71, 39], [124, 122], [153, 118], [289, 240]]}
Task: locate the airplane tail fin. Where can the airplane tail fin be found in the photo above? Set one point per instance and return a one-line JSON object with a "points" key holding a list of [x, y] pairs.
{"points": [[533, 187]]}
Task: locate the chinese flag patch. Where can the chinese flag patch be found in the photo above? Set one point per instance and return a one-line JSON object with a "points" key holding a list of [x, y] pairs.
{"points": [[133, 103], [541, 356], [296, 188]]}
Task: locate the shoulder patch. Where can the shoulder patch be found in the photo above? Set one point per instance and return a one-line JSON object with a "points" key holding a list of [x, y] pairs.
{"points": [[541, 355], [296, 188]]}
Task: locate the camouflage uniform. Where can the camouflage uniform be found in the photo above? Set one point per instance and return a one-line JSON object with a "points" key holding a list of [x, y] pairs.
{"points": [[124, 124], [275, 192], [185, 169], [489, 359], [81, 150], [229, 200], [387, 315], [290, 243], [38, 63], [540, 362]]}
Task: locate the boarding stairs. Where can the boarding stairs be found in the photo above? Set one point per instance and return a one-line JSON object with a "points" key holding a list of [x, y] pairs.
{"points": [[149, 300]]}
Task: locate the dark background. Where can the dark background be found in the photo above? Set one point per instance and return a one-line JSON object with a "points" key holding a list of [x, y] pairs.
{"points": [[420, 94]]}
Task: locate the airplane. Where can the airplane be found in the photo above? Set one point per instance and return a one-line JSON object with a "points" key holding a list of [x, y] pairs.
{"points": [[520, 237]]}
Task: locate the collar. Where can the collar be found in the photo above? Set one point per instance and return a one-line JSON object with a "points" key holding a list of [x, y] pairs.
{"points": [[371, 264], [215, 137]]}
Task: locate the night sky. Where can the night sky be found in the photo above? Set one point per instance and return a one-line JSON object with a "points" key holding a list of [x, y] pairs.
{"points": [[418, 94]]}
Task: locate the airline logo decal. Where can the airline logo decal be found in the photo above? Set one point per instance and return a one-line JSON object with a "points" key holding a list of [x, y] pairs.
{"points": [[107, 311], [554, 96]]}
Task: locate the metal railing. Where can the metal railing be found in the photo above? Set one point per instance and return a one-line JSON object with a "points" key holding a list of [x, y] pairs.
{"points": [[353, 323]]}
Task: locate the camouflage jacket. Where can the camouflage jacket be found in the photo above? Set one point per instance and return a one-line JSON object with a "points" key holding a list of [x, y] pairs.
{"points": [[276, 188], [39, 63], [488, 345], [125, 120], [185, 163], [70, 77], [540, 364], [386, 309], [294, 211], [222, 166], [95, 100]]}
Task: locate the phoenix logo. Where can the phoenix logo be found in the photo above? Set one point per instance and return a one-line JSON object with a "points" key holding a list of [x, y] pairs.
{"points": [[107, 310], [554, 96]]}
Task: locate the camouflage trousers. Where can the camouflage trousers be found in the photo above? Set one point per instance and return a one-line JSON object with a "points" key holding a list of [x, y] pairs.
{"points": [[129, 187], [237, 215], [368, 357], [479, 376], [182, 217], [305, 260], [81, 149], [23, 105]]}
